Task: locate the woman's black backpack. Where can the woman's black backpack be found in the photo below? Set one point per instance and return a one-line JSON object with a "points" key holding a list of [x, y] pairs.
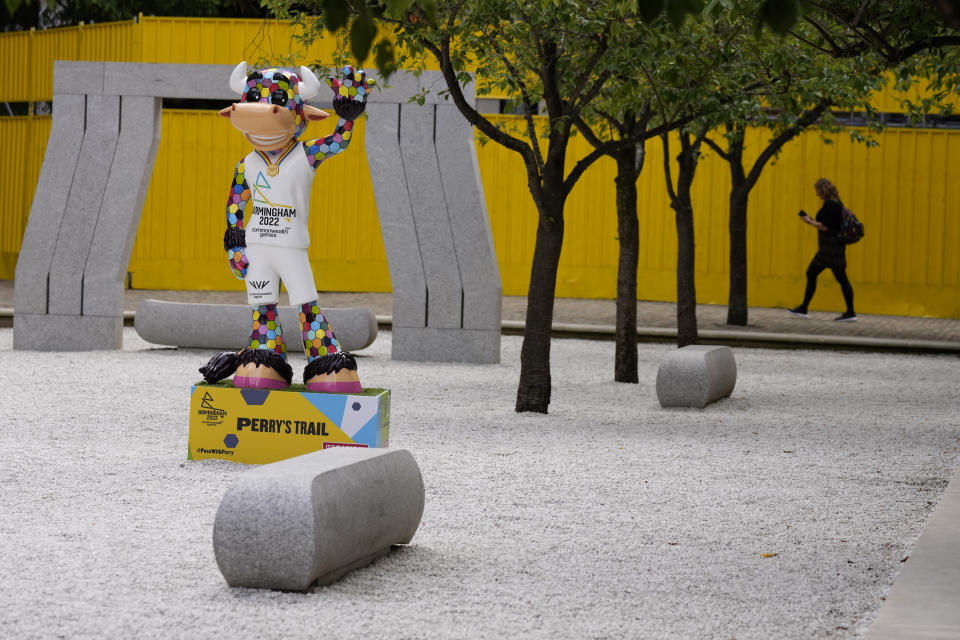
{"points": [[851, 229]]}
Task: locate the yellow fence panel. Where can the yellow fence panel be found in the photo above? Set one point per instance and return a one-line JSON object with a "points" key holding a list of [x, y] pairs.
{"points": [[20, 61], [224, 41], [890, 100], [30, 54], [110, 42], [23, 141]]}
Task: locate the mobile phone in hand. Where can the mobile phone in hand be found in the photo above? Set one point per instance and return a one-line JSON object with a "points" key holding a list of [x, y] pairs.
{"points": [[802, 213]]}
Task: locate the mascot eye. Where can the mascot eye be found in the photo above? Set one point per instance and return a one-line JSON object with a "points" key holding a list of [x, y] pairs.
{"points": [[253, 95], [279, 97]]}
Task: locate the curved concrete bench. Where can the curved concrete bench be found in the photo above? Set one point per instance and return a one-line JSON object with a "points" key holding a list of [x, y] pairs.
{"points": [[695, 376], [226, 326], [311, 519]]}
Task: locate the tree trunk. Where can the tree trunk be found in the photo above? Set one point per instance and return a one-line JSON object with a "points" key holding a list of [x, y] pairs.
{"points": [[625, 361], [686, 280], [741, 185], [683, 207], [533, 390], [739, 193]]}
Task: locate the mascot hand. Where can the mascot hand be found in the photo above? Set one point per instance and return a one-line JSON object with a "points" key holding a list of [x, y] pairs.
{"points": [[238, 261], [350, 92], [234, 241]]}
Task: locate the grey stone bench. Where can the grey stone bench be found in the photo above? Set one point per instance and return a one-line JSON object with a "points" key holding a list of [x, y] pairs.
{"points": [[695, 376], [226, 326], [311, 519]]}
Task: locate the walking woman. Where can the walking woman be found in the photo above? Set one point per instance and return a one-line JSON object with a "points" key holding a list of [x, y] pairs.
{"points": [[831, 250]]}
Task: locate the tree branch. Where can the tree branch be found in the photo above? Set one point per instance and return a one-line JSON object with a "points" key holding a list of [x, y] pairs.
{"points": [[595, 58], [528, 105], [810, 44], [666, 167], [809, 117], [612, 146], [934, 42], [587, 132], [470, 113], [717, 149], [837, 50]]}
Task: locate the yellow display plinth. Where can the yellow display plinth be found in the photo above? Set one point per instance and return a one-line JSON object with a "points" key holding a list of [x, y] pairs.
{"points": [[259, 426]]}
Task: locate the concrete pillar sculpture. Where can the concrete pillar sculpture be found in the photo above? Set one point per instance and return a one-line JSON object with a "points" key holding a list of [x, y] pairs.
{"points": [[68, 288], [447, 294]]}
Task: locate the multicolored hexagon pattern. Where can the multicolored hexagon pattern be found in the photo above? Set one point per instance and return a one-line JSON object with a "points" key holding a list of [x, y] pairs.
{"points": [[266, 332], [318, 337]]}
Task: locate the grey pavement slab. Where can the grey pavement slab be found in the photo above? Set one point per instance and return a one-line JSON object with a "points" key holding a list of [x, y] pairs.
{"points": [[655, 319], [783, 511], [924, 603]]}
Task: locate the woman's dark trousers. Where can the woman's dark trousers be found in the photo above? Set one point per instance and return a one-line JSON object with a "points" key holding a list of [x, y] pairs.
{"points": [[840, 274]]}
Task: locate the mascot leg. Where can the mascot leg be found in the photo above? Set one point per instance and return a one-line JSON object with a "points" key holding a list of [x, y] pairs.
{"points": [[329, 368], [263, 365]]}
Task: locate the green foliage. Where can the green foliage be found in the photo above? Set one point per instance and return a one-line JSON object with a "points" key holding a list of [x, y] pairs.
{"points": [[13, 5], [779, 15], [23, 14], [335, 14]]}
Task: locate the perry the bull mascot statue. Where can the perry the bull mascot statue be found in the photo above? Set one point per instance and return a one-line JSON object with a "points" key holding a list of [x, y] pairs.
{"points": [[267, 214]]}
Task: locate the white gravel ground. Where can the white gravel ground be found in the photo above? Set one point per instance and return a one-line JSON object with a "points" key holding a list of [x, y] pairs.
{"points": [[608, 518]]}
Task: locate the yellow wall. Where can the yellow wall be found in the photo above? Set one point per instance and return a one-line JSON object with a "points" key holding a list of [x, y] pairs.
{"points": [[906, 191], [28, 55], [22, 144]]}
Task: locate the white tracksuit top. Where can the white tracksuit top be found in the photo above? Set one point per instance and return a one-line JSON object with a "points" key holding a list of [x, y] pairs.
{"points": [[279, 207]]}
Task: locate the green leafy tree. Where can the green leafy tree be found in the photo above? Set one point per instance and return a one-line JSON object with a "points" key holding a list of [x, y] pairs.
{"points": [[663, 85], [561, 56], [630, 125], [704, 69]]}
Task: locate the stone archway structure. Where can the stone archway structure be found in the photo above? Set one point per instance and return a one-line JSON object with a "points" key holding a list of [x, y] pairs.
{"points": [[68, 291]]}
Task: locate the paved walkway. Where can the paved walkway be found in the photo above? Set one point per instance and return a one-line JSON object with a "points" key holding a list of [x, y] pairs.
{"points": [[654, 320]]}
